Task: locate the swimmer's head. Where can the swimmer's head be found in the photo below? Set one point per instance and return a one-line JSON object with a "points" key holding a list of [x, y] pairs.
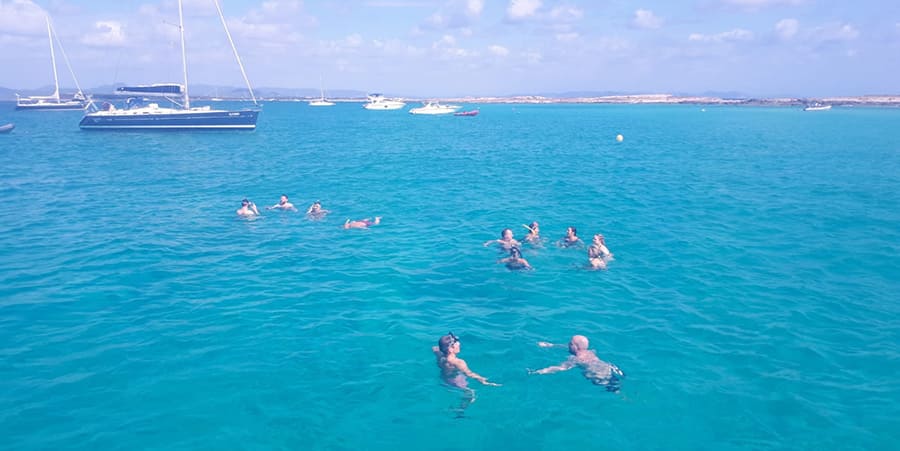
{"points": [[515, 252], [245, 202], [598, 238], [284, 198], [447, 342], [578, 343], [506, 234], [534, 225], [572, 230]]}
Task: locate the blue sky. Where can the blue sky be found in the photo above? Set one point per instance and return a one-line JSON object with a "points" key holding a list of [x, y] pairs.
{"points": [[470, 47]]}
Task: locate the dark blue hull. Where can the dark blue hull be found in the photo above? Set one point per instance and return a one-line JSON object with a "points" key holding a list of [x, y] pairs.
{"points": [[210, 120]]}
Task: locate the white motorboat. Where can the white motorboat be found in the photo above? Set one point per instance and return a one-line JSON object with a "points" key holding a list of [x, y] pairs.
{"points": [[817, 107], [434, 108], [378, 102]]}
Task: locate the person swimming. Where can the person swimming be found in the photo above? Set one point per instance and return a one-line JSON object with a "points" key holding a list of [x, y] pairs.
{"points": [[315, 211], [454, 370], [571, 239], [534, 233], [362, 223], [248, 209], [506, 240], [283, 204], [598, 254], [593, 369], [515, 261]]}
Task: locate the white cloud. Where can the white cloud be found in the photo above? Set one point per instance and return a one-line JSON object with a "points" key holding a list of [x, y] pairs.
{"points": [[566, 14], [567, 37], [787, 28], [109, 33], [834, 33], [522, 9], [760, 4], [736, 35], [474, 7], [644, 18], [22, 17], [498, 50]]}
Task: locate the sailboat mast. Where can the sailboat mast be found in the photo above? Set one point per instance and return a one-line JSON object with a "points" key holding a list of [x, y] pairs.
{"points": [[322, 87], [187, 100], [53, 60]]}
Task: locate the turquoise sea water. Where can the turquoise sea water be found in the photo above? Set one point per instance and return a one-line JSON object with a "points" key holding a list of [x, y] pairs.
{"points": [[753, 302]]}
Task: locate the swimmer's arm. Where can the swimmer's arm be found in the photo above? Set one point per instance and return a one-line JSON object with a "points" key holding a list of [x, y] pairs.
{"points": [[253, 207], [437, 351], [567, 365], [525, 262], [462, 367], [489, 242]]}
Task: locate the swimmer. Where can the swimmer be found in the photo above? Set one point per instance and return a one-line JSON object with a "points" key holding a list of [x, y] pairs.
{"points": [[515, 260], [283, 204], [571, 239], [315, 211], [598, 254], [362, 223], [594, 369], [534, 233], [454, 369], [506, 240], [247, 210]]}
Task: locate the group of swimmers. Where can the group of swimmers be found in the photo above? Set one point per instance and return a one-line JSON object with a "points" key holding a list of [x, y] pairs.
{"points": [[315, 212], [454, 370], [598, 254]]}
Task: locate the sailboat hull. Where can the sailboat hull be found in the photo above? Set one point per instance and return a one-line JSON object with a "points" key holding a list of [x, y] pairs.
{"points": [[51, 106], [177, 120]]}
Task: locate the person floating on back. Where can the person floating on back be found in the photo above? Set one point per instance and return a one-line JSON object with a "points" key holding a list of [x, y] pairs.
{"points": [[598, 254], [594, 369], [454, 370], [506, 240], [247, 210], [515, 261], [362, 223], [316, 212], [571, 239], [283, 204]]}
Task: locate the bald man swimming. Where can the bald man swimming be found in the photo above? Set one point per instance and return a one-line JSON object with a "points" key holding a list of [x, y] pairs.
{"points": [[594, 369]]}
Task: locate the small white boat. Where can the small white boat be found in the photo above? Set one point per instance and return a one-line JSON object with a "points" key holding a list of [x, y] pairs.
{"points": [[817, 107], [321, 101], [378, 102], [433, 108]]}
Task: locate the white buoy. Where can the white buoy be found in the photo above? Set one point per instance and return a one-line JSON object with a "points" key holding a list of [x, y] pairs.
{"points": [[619, 138]]}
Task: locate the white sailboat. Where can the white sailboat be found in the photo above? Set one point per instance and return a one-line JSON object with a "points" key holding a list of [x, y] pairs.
{"points": [[53, 102], [321, 101], [184, 117]]}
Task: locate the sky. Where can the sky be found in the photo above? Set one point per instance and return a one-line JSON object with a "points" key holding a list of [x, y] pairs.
{"points": [[759, 48]]}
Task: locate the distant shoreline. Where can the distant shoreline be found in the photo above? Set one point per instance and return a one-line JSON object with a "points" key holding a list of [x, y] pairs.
{"points": [[636, 99], [644, 99]]}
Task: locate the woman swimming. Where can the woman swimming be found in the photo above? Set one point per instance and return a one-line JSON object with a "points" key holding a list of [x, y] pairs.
{"points": [[598, 254], [534, 233], [454, 369]]}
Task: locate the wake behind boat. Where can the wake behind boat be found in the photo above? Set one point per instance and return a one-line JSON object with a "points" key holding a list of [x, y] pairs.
{"points": [[184, 117], [435, 108], [53, 102]]}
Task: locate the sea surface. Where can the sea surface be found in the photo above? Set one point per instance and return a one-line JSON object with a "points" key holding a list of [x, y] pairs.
{"points": [[753, 303]]}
